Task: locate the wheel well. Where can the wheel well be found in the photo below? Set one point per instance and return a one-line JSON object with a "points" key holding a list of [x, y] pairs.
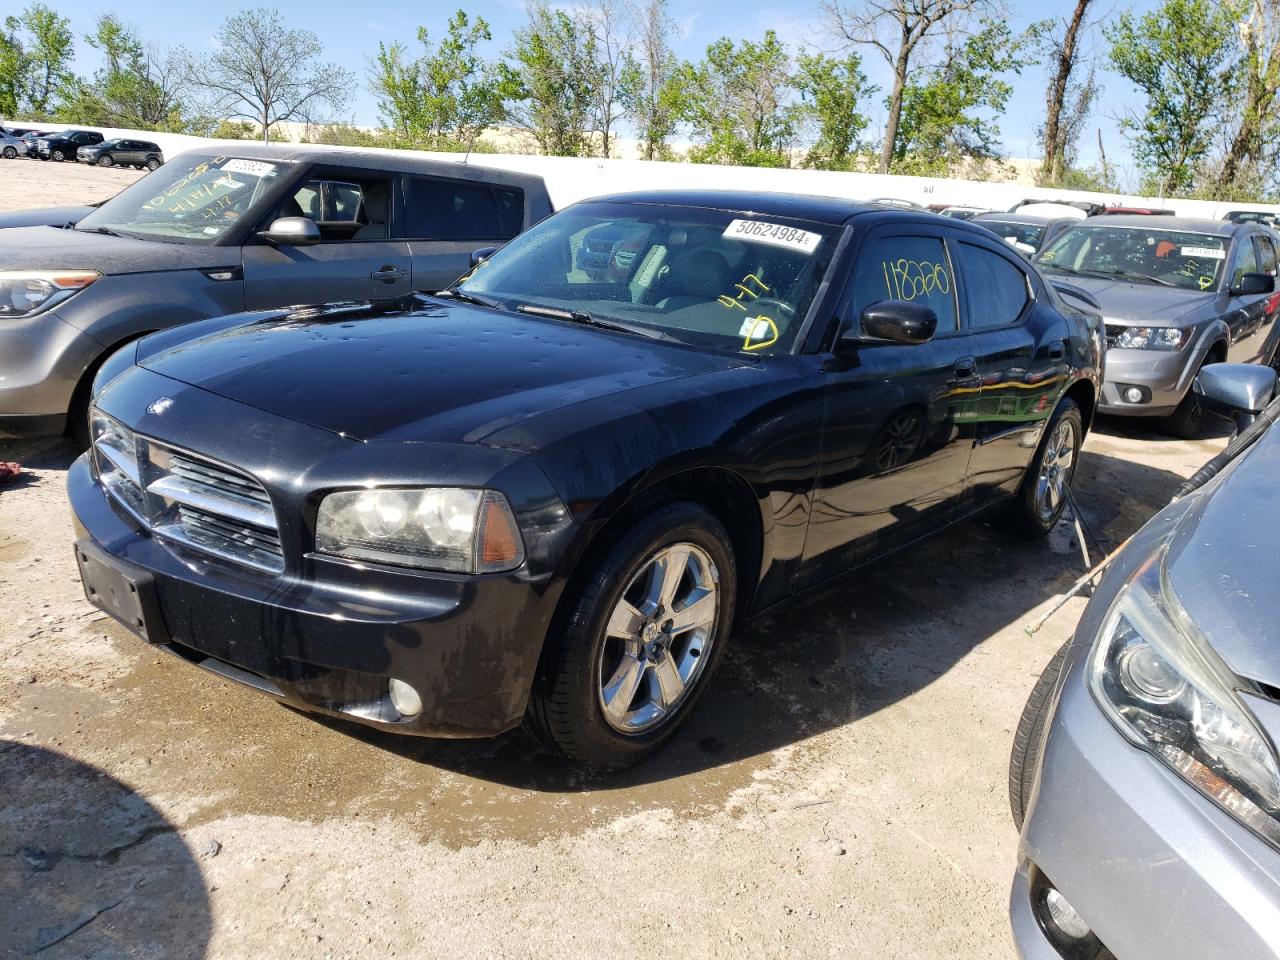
{"points": [[1082, 393], [80, 396], [1217, 353], [721, 492]]}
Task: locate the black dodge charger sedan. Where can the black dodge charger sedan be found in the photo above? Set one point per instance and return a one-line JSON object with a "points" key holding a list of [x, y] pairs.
{"points": [[552, 492]]}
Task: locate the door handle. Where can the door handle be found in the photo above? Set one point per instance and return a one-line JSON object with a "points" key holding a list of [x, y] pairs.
{"points": [[966, 368], [1058, 350], [388, 274]]}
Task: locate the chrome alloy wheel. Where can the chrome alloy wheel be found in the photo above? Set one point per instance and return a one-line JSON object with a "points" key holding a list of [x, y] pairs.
{"points": [[658, 638], [1055, 470]]}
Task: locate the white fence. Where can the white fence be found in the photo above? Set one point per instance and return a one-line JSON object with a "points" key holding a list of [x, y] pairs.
{"points": [[570, 179]]}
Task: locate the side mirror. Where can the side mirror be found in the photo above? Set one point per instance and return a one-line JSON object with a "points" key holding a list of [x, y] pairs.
{"points": [[481, 255], [292, 232], [1252, 284], [894, 321], [1235, 388]]}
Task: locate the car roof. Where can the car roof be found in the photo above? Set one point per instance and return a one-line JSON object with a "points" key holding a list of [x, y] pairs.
{"points": [[1221, 228], [801, 206], [385, 160], [1030, 219]]}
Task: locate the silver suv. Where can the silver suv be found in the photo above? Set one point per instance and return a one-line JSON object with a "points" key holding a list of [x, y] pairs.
{"points": [[215, 233]]}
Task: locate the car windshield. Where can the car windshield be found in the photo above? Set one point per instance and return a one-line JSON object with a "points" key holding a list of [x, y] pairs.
{"points": [[195, 199], [1171, 258], [1025, 233], [728, 281]]}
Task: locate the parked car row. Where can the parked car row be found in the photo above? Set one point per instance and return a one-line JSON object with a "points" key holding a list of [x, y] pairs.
{"points": [[507, 466], [83, 146]]}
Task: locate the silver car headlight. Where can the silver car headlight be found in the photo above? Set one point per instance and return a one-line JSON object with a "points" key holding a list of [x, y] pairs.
{"points": [[24, 292], [1152, 338], [1165, 688], [450, 529]]}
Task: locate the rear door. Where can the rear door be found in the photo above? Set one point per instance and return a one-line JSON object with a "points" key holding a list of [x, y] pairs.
{"points": [[359, 256], [1021, 349], [896, 434], [1250, 317], [446, 220]]}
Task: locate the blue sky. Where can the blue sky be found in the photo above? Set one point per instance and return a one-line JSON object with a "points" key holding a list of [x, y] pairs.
{"points": [[351, 32]]}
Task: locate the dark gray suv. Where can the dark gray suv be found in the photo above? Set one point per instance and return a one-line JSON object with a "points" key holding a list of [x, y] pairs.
{"points": [[213, 233]]}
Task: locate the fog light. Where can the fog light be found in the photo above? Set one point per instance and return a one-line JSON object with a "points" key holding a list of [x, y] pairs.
{"points": [[404, 698], [1064, 916], [1133, 395]]}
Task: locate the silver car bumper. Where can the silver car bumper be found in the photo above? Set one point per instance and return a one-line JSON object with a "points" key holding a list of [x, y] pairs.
{"points": [[42, 359], [1163, 379], [1152, 867]]}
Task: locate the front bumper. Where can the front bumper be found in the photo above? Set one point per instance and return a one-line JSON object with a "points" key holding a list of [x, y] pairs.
{"points": [[329, 642], [1163, 377], [42, 359], [1155, 869]]}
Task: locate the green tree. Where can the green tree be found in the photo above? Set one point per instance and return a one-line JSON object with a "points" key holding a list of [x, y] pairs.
{"points": [[447, 97], [615, 72], [35, 60], [738, 103], [653, 105], [135, 88], [1067, 98], [1182, 58], [1250, 160], [949, 111], [264, 72], [832, 93], [548, 82]]}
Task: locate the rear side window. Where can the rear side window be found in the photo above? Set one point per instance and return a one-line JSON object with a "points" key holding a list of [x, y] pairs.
{"points": [[511, 209], [455, 210], [996, 289], [1266, 255], [906, 268]]}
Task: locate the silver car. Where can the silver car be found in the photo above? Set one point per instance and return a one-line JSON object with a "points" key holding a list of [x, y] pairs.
{"points": [[14, 143], [1145, 775], [1176, 293]]}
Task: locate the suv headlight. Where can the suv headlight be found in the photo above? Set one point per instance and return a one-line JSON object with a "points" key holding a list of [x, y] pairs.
{"points": [[1152, 338], [438, 528], [24, 292], [1165, 688]]}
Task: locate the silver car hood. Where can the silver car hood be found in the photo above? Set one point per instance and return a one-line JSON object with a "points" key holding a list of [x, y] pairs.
{"points": [[52, 248], [1143, 303], [1224, 563]]}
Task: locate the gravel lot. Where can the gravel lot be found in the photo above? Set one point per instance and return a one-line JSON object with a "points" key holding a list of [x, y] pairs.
{"points": [[840, 791]]}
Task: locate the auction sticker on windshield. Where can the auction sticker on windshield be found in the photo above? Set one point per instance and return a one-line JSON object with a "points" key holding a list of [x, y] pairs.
{"points": [[254, 168], [775, 234], [1211, 252]]}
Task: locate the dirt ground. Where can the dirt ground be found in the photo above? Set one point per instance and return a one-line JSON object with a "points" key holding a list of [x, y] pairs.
{"points": [[840, 791]]}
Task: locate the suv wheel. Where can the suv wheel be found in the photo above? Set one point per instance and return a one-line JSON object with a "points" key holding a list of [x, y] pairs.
{"points": [[1043, 496], [1187, 420], [640, 641], [57, 155], [153, 164], [10, 153], [106, 160], [1029, 736]]}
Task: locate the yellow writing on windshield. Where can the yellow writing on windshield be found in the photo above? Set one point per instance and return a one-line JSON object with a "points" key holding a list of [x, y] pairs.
{"points": [[750, 287], [910, 279], [762, 332]]}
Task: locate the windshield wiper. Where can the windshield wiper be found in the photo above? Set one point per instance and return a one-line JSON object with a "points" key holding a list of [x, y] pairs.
{"points": [[103, 231], [453, 293], [591, 320], [1140, 277]]}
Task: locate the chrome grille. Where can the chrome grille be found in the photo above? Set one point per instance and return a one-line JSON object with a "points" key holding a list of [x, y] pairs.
{"points": [[186, 498]]}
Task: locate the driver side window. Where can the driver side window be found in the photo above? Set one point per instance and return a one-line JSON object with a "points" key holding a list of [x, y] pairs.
{"points": [[915, 269], [1246, 261]]}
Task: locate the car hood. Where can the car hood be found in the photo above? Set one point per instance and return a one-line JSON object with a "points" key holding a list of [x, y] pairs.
{"points": [[1125, 301], [1222, 563], [420, 369], [44, 217], [52, 248]]}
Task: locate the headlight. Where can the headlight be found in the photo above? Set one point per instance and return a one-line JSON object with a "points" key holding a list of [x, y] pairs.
{"points": [[440, 528], [1167, 690], [1152, 338], [23, 293]]}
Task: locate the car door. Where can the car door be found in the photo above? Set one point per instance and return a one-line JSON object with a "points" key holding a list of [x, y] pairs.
{"points": [[1250, 316], [359, 257], [447, 220], [896, 434], [1021, 349]]}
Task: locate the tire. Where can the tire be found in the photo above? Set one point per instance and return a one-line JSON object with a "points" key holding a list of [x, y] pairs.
{"points": [[1187, 420], [1028, 739], [106, 160], [1033, 515], [583, 659], [58, 156], [153, 164], [10, 153]]}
